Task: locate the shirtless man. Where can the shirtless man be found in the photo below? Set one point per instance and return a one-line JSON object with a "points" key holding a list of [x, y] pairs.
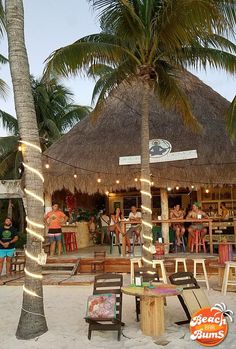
{"points": [[196, 213]]}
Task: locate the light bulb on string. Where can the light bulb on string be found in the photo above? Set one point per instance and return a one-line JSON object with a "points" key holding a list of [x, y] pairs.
{"points": [[169, 188], [152, 184], [75, 175], [19, 148], [207, 191], [47, 166], [192, 186], [136, 179], [99, 180], [117, 181], [107, 193], [177, 188]]}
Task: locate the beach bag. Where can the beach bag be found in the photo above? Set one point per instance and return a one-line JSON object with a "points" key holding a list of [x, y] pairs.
{"points": [[101, 306]]}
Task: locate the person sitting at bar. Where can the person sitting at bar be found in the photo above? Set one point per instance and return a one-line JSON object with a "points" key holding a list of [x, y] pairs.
{"points": [[224, 212], [197, 213], [135, 229], [176, 213]]}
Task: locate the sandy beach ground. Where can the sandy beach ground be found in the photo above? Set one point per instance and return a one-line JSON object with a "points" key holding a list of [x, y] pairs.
{"points": [[65, 308]]}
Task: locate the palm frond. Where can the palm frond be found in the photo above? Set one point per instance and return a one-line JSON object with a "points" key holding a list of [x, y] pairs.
{"points": [[231, 120], [7, 164], [3, 60], [3, 88], [79, 56], [8, 144], [9, 122], [172, 95], [74, 114], [2, 19]]}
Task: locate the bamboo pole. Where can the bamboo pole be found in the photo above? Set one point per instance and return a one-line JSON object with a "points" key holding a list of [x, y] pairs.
{"points": [[164, 216]]}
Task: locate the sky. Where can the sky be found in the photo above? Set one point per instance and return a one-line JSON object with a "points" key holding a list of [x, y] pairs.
{"points": [[51, 24]]}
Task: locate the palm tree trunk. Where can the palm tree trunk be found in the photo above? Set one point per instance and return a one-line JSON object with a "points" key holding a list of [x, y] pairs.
{"points": [[32, 321], [22, 216], [145, 177]]}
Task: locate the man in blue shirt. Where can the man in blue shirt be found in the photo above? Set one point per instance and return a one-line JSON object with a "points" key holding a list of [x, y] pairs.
{"points": [[8, 238]]}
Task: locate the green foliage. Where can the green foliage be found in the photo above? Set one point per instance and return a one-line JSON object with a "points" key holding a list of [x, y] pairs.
{"points": [[56, 114], [231, 119], [152, 41], [21, 240]]}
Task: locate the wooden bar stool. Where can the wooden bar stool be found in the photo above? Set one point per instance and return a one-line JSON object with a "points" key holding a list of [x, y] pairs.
{"points": [[98, 264], [70, 241], [134, 261], [159, 263], [178, 261], [226, 282], [197, 242], [200, 261]]}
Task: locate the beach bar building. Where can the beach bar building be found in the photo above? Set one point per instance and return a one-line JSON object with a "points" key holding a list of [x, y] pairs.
{"points": [[87, 158]]}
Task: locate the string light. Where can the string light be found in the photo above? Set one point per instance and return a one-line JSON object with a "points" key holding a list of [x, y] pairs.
{"points": [[19, 147], [75, 175], [136, 179], [146, 193], [47, 166], [31, 145], [30, 230], [207, 191], [147, 238], [152, 184], [37, 197], [169, 188], [31, 293], [99, 180], [33, 275], [34, 171], [177, 188], [192, 186], [146, 209], [107, 192], [117, 181]]}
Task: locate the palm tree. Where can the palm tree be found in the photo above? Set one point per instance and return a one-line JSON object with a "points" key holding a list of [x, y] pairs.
{"points": [[32, 321], [151, 43], [56, 114]]}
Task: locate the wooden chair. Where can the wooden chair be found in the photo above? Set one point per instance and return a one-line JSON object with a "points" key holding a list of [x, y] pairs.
{"points": [[98, 264], [18, 262], [188, 282], [108, 283], [147, 277]]}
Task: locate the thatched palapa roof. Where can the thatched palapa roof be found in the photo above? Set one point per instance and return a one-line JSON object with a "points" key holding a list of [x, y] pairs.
{"points": [[93, 149]]}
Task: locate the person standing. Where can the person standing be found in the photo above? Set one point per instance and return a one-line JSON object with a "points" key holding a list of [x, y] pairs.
{"points": [[54, 220], [8, 238], [224, 211]]}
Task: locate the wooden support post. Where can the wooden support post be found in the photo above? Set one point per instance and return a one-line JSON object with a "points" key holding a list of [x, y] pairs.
{"points": [[152, 316], [210, 237], [164, 216]]}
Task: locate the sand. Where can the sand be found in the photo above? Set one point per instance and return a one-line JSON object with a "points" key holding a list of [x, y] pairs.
{"points": [[65, 308]]}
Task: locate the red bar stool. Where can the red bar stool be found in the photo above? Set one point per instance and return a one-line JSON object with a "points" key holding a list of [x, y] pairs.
{"points": [[197, 241], [70, 241]]}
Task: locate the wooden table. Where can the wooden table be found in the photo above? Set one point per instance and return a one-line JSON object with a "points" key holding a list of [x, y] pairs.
{"points": [[152, 306]]}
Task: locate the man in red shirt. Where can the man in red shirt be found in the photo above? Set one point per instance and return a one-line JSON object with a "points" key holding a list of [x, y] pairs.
{"points": [[54, 220]]}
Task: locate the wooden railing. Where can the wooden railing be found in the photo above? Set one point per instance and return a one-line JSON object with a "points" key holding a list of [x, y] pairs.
{"points": [[206, 222]]}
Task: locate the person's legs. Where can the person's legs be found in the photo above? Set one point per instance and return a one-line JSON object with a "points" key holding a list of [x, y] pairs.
{"points": [[52, 246], [127, 241], [1, 265], [177, 236], [8, 265], [191, 231], [203, 232], [59, 244]]}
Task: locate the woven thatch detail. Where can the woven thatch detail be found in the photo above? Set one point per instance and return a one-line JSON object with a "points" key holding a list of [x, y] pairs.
{"points": [[97, 146]]}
